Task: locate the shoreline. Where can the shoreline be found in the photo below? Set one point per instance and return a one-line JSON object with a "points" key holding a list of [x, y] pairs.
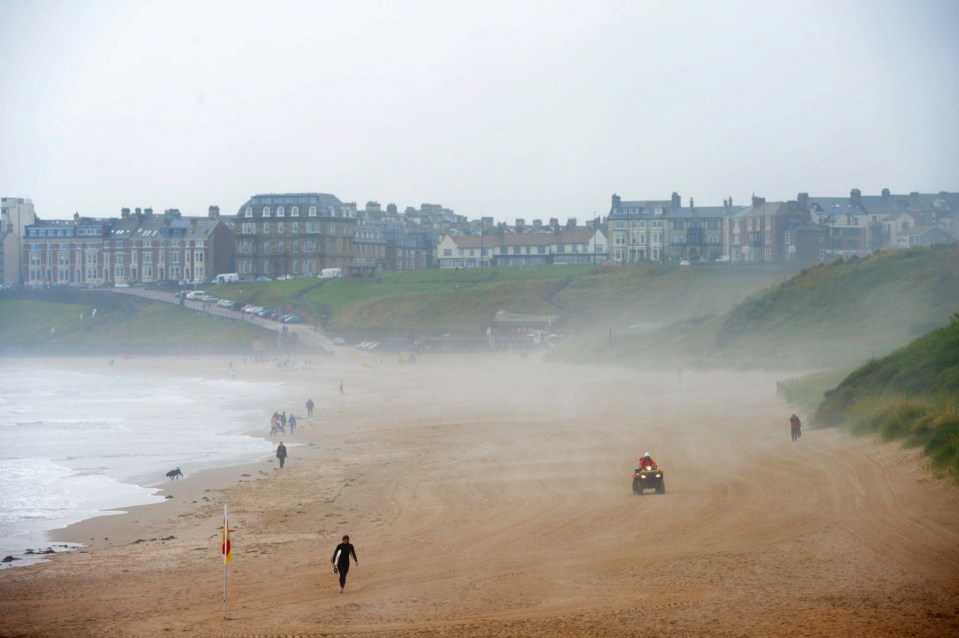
{"points": [[123, 525]]}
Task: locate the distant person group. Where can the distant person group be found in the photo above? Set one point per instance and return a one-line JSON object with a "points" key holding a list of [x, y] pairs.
{"points": [[279, 422]]}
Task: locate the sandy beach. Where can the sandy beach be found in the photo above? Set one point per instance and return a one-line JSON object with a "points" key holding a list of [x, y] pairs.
{"points": [[489, 495]]}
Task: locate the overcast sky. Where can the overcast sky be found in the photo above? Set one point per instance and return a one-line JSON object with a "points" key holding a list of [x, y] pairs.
{"points": [[508, 109]]}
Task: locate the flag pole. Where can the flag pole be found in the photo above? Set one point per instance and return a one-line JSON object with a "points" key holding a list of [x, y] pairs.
{"points": [[226, 553]]}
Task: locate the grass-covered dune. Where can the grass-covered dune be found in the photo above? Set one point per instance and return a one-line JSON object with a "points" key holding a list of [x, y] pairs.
{"points": [[585, 297], [835, 315], [82, 323], [911, 394]]}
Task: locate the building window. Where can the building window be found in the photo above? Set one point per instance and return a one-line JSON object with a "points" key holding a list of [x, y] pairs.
{"points": [[280, 212], [266, 228], [266, 211], [248, 212], [295, 211]]}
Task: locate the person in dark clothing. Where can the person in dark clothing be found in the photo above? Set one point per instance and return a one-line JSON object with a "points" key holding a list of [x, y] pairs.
{"points": [[341, 560], [281, 453], [309, 408], [795, 427], [292, 423]]}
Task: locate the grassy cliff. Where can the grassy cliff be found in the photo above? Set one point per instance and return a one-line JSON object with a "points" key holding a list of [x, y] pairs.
{"points": [[87, 323], [911, 395], [835, 315]]}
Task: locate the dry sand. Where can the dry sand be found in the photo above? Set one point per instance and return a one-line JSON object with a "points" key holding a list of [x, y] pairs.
{"points": [[489, 495]]}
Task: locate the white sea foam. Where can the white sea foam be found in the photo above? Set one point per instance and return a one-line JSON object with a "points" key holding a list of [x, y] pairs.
{"points": [[75, 444]]}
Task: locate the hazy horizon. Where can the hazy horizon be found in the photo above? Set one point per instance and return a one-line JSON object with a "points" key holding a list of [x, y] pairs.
{"points": [[526, 110]]}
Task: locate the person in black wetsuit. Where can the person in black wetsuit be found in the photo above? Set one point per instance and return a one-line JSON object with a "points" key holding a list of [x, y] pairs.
{"points": [[341, 560]]}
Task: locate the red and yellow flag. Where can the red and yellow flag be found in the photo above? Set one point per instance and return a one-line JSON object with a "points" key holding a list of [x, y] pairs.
{"points": [[225, 546]]}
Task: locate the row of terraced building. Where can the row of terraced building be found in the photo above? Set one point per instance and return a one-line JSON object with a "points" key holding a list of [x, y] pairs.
{"points": [[300, 234]]}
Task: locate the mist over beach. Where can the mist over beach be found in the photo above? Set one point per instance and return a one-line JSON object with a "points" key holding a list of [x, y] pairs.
{"points": [[489, 494]]}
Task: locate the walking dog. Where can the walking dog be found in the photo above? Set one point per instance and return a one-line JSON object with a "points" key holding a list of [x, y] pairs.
{"points": [[174, 474]]}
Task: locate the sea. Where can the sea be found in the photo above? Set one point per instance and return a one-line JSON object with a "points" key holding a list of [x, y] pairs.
{"points": [[76, 444]]}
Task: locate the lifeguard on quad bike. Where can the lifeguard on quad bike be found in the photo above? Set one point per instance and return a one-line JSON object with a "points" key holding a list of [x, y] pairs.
{"points": [[648, 476]]}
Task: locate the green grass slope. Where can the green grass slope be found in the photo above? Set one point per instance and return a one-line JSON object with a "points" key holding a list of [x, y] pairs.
{"points": [[66, 324], [585, 297], [835, 315], [911, 395]]}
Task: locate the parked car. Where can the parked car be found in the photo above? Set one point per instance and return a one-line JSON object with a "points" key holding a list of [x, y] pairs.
{"points": [[261, 278], [290, 319]]}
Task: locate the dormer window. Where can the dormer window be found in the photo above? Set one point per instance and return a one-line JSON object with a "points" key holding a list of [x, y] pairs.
{"points": [[266, 211], [280, 212], [312, 211], [248, 212], [295, 211]]}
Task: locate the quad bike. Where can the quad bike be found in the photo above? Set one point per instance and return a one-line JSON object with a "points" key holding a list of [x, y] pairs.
{"points": [[648, 478]]}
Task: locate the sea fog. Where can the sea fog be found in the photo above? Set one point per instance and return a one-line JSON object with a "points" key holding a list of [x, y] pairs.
{"points": [[74, 444]]}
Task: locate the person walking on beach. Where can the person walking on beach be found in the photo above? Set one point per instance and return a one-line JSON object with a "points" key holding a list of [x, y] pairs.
{"points": [[292, 422], [281, 453], [309, 408], [795, 427], [341, 387], [341, 560]]}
